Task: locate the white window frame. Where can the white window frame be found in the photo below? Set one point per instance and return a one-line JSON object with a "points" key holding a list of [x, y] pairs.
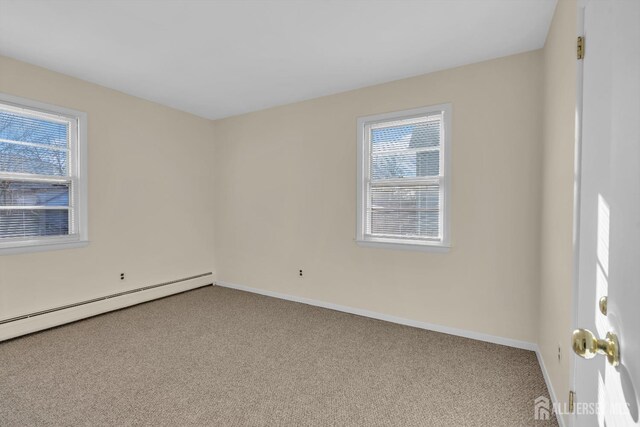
{"points": [[443, 244], [77, 174]]}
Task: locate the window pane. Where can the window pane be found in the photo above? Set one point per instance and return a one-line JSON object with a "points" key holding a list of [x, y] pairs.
{"points": [[29, 129], [26, 159], [405, 223], [24, 193], [406, 197], [406, 165], [33, 222], [400, 136]]}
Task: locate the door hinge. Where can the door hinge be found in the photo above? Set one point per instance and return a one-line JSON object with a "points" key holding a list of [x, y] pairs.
{"points": [[580, 49], [572, 396]]}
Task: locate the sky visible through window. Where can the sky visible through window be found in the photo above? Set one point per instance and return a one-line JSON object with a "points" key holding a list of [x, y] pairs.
{"points": [[405, 151]]}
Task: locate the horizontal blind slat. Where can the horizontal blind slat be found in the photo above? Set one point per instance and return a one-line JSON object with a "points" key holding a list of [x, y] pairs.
{"points": [[411, 165], [33, 144], [17, 127], [32, 222], [33, 160], [30, 193], [405, 223]]}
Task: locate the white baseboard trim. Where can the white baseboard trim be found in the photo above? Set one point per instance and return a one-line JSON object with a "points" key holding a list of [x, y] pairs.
{"points": [[547, 380], [56, 318], [388, 318]]}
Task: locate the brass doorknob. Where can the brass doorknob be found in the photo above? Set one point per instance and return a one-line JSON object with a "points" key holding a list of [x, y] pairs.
{"points": [[586, 345]]}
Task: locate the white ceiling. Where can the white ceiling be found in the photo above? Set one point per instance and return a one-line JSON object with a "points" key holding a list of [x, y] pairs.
{"points": [[219, 58]]}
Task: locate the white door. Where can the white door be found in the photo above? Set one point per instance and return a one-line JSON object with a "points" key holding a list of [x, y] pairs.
{"points": [[609, 213]]}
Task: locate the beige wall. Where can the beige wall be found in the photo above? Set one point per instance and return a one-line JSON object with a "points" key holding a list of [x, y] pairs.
{"points": [[286, 200], [150, 205], [557, 189]]}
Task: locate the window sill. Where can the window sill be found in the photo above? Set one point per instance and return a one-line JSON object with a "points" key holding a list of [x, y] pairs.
{"points": [[405, 246], [24, 248]]}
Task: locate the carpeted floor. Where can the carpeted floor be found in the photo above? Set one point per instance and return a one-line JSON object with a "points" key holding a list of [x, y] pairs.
{"points": [[220, 357]]}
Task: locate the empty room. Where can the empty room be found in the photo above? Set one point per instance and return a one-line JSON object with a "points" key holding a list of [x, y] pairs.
{"points": [[320, 213]]}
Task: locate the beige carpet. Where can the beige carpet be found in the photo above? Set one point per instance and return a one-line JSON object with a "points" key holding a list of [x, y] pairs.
{"points": [[216, 356]]}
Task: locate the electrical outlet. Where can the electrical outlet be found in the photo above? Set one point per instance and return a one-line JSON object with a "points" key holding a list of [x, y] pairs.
{"points": [[559, 353], [300, 273], [121, 276]]}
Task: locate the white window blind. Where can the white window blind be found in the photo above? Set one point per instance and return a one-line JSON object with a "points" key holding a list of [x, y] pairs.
{"points": [[41, 193], [403, 177]]}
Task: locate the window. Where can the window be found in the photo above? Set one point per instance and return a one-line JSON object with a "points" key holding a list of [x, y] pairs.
{"points": [[42, 176], [403, 179]]}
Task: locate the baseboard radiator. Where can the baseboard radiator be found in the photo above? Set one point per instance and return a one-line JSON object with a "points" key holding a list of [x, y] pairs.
{"points": [[44, 319]]}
